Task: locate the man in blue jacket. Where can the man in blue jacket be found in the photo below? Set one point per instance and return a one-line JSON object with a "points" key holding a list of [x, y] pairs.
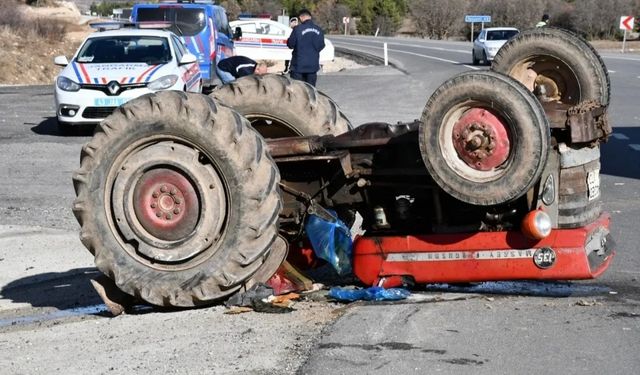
{"points": [[306, 40]]}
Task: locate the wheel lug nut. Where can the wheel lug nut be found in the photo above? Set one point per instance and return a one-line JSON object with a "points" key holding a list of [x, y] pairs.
{"points": [[159, 214], [177, 200], [155, 194], [163, 189], [176, 211], [154, 205], [173, 192], [169, 216]]}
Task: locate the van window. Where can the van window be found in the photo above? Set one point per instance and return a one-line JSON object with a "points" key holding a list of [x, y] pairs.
{"points": [[184, 22]]}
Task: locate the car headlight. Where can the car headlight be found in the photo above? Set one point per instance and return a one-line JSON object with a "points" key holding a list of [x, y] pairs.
{"points": [[163, 83], [66, 84]]}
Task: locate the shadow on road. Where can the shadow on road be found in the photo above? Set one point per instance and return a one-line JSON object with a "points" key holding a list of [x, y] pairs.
{"points": [[49, 126], [61, 290], [618, 158]]}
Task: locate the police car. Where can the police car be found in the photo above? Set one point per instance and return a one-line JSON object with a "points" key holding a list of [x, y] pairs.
{"points": [[264, 39], [114, 66]]}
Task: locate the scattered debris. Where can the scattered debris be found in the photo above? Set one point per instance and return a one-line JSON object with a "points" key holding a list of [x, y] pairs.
{"points": [[374, 293], [584, 302]]}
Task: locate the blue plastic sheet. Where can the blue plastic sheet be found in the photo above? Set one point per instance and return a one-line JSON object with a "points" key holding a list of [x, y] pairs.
{"points": [[331, 241], [374, 293]]}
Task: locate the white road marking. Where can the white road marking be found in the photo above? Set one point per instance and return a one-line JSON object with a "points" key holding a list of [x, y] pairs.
{"points": [[411, 53], [620, 136], [635, 147], [611, 71]]}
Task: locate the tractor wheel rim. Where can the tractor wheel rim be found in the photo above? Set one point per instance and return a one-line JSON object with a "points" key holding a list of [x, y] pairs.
{"points": [[166, 204], [475, 142], [481, 139], [169, 202]]}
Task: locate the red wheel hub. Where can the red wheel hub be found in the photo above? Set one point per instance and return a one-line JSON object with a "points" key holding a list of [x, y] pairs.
{"points": [[166, 204], [481, 139]]}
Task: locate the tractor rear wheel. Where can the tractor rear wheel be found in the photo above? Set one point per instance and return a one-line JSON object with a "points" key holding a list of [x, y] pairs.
{"points": [[177, 199], [556, 65], [278, 106], [484, 138]]}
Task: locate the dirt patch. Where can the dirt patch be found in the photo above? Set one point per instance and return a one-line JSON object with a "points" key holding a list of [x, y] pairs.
{"points": [[611, 45], [27, 57]]}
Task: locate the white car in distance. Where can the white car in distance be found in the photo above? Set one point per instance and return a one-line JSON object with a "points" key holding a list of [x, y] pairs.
{"points": [[489, 41], [264, 39], [115, 66]]}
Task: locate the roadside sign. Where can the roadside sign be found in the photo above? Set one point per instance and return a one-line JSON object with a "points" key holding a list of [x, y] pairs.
{"points": [[473, 18], [476, 18], [345, 19], [626, 23]]}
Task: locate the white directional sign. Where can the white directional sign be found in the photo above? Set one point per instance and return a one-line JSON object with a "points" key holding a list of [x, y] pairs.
{"points": [[474, 18], [345, 20], [626, 23]]}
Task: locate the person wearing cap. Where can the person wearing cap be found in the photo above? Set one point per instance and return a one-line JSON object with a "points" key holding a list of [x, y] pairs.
{"points": [[293, 22], [240, 66], [306, 41], [544, 22]]}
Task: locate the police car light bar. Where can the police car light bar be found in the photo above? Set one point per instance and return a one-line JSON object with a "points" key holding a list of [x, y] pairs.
{"points": [[110, 25], [153, 25]]}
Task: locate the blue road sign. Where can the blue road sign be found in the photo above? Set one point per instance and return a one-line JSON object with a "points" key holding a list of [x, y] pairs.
{"points": [[485, 19]]}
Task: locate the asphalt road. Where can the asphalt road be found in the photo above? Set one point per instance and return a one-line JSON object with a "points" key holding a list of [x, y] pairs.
{"points": [[51, 321]]}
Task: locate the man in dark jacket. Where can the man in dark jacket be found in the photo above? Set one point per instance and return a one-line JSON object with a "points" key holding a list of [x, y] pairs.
{"points": [[306, 40], [240, 66]]}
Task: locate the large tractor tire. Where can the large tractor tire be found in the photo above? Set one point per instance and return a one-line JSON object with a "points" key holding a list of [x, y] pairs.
{"points": [[484, 138], [177, 199], [555, 64], [278, 106]]}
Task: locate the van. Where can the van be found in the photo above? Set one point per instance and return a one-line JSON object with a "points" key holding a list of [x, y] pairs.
{"points": [[201, 25]]}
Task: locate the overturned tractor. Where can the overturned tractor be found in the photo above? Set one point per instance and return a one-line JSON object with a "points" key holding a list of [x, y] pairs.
{"points": [[185, 199]]}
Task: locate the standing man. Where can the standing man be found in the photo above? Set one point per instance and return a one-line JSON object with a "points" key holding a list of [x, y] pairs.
{"points": [[293, 22], [306, 40]]}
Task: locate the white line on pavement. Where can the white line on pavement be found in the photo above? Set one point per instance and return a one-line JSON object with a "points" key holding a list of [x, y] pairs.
{"points": [[411, 53], [635, 147], [619, 136]]}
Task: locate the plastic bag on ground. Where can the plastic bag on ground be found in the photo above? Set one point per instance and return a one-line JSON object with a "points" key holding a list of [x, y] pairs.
{"points": [[374, 293], [331, 240]]}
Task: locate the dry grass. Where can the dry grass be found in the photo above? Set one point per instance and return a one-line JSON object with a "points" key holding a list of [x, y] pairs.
{"points": [[30, 40], [15, 19]]}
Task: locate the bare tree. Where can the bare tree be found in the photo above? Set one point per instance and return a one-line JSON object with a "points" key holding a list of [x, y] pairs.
{"points": [[328, 14], [438, 18], [233, 9]]}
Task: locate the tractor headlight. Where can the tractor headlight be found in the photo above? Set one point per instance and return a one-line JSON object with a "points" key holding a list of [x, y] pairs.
{"points": [[536, 225], [163, 83], [66, 84]]}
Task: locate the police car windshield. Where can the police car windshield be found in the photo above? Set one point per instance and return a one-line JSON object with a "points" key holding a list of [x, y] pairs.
{"points": [[125, 49], [184, 21]]}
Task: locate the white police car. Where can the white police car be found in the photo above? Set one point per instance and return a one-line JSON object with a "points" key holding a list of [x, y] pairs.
{"points": [[115, 66], [264, 39]]}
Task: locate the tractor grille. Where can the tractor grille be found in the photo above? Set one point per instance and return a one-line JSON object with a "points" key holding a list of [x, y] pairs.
{"points": [[97, 112]]}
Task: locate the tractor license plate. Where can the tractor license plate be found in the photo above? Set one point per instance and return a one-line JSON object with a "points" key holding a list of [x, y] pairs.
{"points": [[593, 184]]}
